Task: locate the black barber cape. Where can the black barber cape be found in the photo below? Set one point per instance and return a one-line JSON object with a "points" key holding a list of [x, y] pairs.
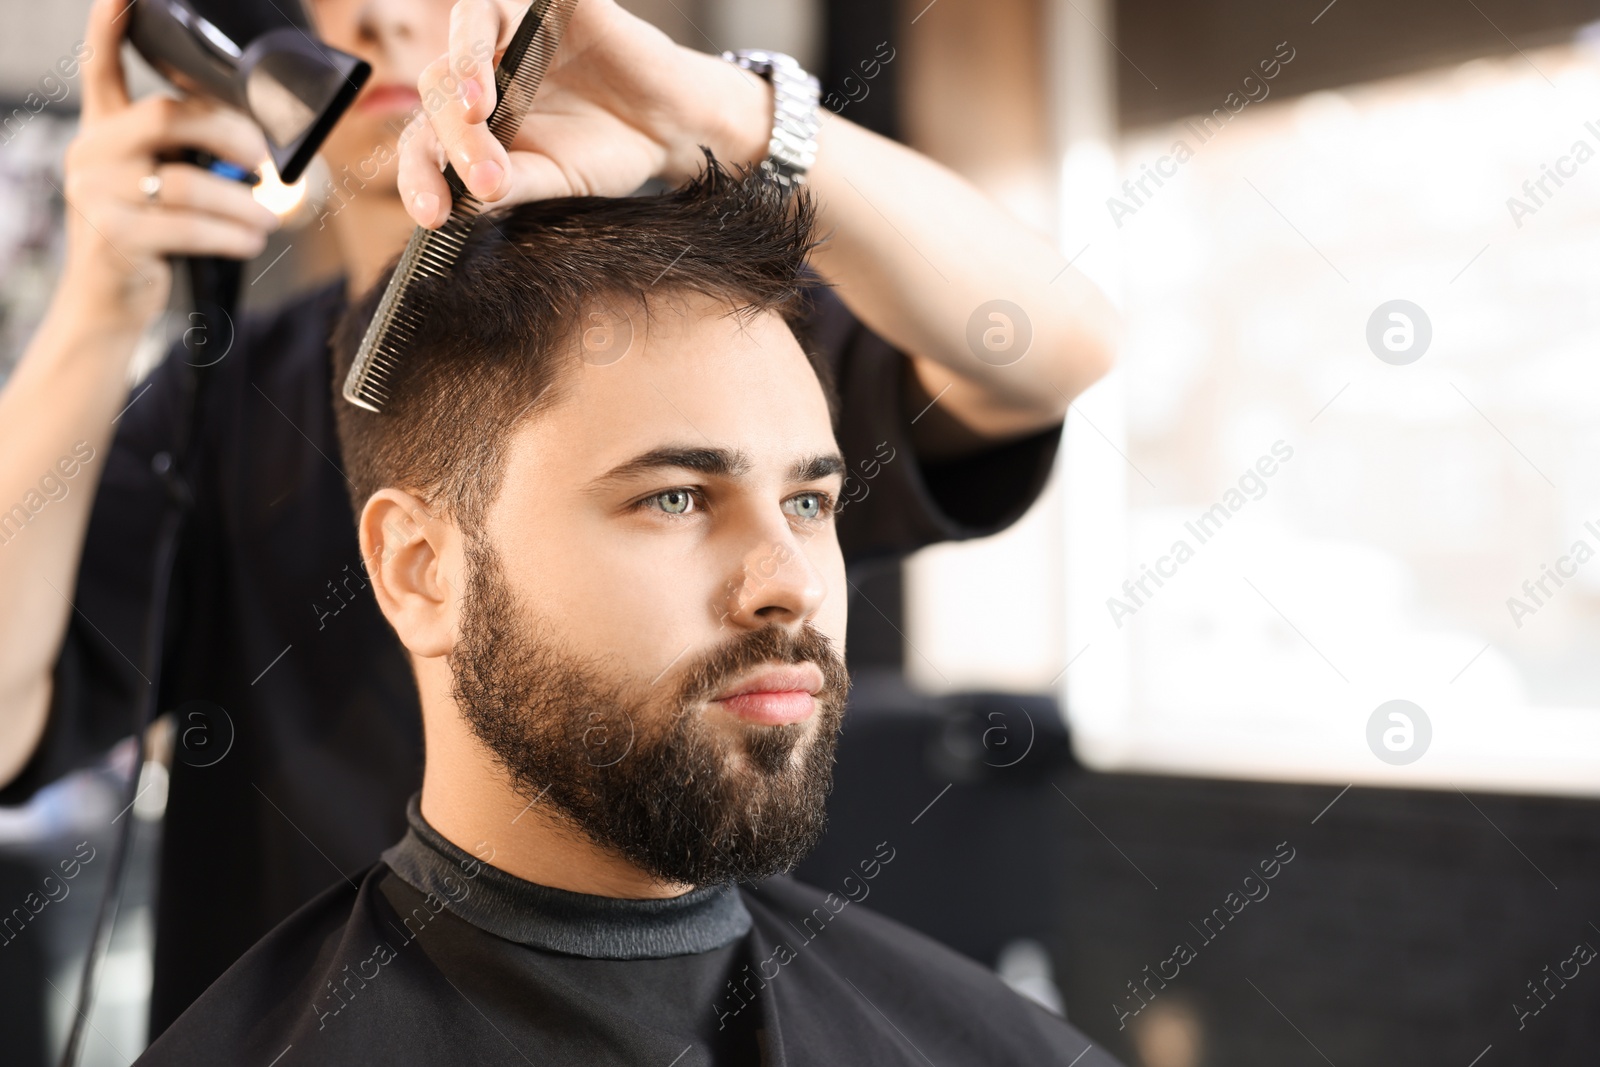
{"points": [[438, 958], [298, 725]]}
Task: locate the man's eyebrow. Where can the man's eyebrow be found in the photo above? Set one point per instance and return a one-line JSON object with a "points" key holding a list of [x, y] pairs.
{"points": [[815, 468], [719, 462]]}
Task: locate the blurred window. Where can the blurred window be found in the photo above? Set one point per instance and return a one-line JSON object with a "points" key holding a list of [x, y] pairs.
{"points": [[1331, 500]]}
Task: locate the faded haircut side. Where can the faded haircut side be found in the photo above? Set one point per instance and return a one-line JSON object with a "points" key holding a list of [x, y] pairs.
{"points": [[486, 357]]}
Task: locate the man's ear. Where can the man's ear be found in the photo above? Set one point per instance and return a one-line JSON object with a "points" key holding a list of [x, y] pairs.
{"points": [[415, 561]]}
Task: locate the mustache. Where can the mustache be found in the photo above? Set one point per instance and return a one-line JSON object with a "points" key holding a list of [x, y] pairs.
{"points": [[713, 670]]}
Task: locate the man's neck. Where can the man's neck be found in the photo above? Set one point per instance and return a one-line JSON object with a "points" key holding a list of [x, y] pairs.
{"points": [[470, 801]]}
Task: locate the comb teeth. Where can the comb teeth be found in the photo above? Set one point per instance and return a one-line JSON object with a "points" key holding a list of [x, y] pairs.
{"points": [[523, 78], [432, 253], [429, 253]]}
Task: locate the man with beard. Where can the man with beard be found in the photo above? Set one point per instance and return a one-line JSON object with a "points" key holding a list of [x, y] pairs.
{"points": [[299, 735], [621, 591]]}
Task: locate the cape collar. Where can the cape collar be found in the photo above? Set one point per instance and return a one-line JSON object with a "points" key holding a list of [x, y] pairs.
{"points": [[556, 920]]}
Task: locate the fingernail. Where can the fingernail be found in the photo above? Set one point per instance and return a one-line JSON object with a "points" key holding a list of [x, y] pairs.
{"points": [[484, 176], [426, 205], [471, 91]]}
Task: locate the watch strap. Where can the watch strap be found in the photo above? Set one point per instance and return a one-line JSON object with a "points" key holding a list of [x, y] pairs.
{"points": [[796, 113]]}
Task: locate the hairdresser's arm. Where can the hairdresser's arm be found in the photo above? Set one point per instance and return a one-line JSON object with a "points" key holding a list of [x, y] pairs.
{"points": [[914, 249], [72, 379]]}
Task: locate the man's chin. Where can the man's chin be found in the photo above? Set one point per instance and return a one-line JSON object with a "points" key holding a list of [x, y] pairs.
{"points": [[773, 751]]}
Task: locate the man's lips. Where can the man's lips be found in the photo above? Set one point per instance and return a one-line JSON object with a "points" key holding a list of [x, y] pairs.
{"points": [[393, 96], [774, 696]]}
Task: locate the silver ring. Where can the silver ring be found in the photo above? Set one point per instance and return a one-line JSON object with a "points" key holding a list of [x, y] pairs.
{"points": [[150, 186]]}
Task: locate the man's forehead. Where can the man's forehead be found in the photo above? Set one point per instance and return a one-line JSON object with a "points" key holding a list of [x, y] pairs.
{"points": [[739, 389]]}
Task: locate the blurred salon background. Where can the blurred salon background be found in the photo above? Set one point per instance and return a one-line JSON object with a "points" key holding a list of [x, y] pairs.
{"points": [[1347, 459]]}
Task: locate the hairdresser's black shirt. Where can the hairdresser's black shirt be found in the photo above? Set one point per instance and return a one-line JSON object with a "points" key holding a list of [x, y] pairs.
{"points": [[436, 957], [298, 729]]}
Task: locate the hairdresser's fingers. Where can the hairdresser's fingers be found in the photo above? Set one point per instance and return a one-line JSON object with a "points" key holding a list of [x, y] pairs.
{"points": [[185, 187], [168, 231], [536, 176], [164, 124], [134, 238], [584, 157], [114, 199], [104, 90], [423, 190], [478, 158], [575, 151], [478, 30]]}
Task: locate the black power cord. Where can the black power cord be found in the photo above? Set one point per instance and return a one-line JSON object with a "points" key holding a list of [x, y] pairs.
{"points": [[214, 283]]}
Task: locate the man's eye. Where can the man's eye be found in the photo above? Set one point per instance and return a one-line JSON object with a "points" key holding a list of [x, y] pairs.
{"points": [[809, 505], [673, 501]]}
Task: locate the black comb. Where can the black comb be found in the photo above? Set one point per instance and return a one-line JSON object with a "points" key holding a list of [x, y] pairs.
{"points": [[434, 252]]}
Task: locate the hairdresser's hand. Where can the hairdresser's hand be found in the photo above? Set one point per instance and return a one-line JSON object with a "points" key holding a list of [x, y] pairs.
{"points": [[117, 237], [621, 104]]}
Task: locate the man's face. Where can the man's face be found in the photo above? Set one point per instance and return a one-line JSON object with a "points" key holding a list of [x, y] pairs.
{"points": [[650, 638], [398, 38]]}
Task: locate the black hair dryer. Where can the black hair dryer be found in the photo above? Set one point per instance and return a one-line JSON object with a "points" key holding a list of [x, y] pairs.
{"points": [[261, 57]]}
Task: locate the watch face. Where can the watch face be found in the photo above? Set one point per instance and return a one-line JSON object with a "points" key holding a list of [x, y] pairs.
{"points": [[797, 96]]}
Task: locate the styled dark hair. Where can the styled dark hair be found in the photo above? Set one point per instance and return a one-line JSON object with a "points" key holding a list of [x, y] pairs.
{"points": [[484, 359]]}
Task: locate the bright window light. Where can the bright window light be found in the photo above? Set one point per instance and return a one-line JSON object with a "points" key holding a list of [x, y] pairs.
{"points": [[1351, 455]]}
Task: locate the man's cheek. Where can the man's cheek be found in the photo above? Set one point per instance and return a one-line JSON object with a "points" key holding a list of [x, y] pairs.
{"points": [[652, 611], [834, 612]]}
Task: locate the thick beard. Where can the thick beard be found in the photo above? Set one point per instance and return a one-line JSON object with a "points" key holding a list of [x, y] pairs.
{"points": [[649, 779]]}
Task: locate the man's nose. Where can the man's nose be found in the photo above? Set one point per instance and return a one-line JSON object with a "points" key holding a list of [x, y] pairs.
{"points": [[775, 583]]}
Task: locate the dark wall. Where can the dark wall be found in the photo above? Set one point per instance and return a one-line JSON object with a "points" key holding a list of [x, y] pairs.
{"points": [[1180, 57], [23, 959], [851, 33]]}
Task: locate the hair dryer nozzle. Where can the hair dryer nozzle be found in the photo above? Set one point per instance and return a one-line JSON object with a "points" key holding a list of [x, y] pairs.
{"points": [[297, 88], [292, 85]]}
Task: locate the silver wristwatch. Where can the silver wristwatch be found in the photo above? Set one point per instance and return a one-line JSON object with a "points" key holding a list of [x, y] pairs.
{"points": [[795, 113]]}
